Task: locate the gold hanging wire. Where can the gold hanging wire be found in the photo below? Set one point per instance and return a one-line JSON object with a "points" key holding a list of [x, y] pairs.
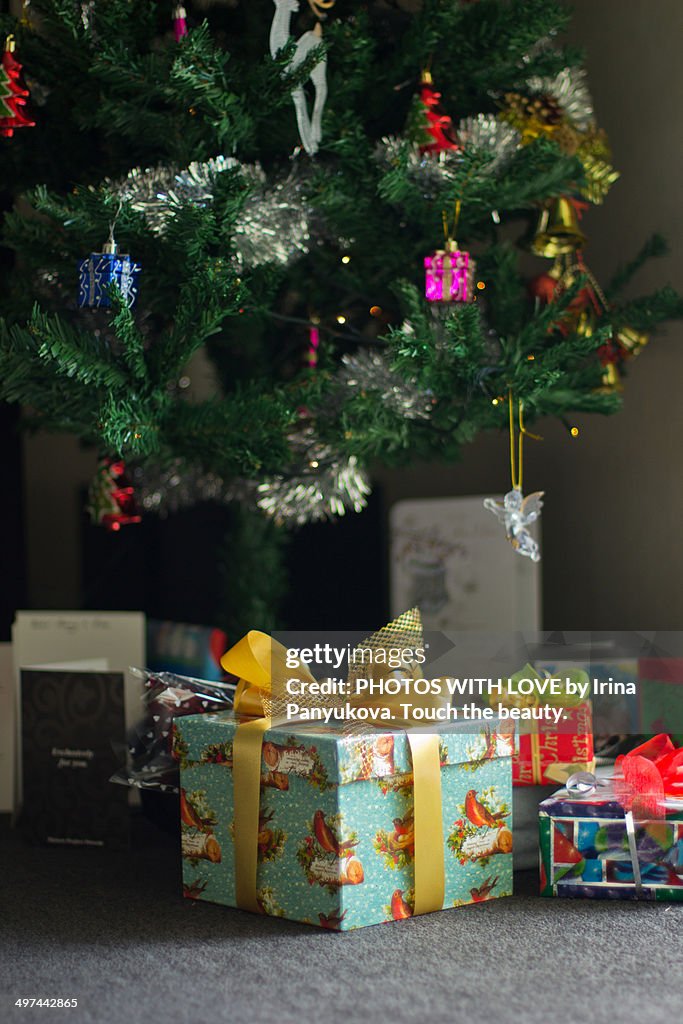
{"points": [[450, 233], [517, 435]]}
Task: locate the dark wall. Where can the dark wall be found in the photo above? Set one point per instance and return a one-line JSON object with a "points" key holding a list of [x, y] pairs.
{"points": [[12, 560]]}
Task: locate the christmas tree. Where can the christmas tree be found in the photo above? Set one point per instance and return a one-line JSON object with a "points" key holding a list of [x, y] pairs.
{"points": [[271, 182], [12, 94]]}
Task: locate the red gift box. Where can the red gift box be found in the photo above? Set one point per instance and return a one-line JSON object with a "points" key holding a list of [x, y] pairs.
{"points": [[548, 755], [548, 751]]}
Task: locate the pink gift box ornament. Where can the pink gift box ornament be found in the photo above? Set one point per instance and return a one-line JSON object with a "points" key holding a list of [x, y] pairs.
{"points": [[449, 275]]}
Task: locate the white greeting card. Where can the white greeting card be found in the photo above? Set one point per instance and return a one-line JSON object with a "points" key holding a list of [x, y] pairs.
{"points": [[450, 557]]}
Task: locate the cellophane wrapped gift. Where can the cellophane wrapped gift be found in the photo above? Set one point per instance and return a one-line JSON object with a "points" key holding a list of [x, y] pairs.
{"points": [[336, 829], [150, 764], [617, 838]]}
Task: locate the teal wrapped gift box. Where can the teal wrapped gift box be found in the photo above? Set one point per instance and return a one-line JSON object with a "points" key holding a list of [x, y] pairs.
{"points": [[336, 841]]}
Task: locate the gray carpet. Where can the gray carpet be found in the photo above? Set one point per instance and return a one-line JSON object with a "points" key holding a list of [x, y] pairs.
{"points": [[112, 930]]}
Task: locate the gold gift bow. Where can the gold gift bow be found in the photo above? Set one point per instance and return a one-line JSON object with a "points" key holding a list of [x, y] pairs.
{"points": [[259, 662], [560, 770]]}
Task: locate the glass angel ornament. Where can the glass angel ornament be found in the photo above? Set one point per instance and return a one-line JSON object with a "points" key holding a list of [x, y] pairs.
{"points": [[517, 513]]}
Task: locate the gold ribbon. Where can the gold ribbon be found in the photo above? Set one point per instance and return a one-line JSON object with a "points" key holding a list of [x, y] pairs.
{"points": [[446, 276], [561, 771], [430, 881], [556, 771], [261, 666]]}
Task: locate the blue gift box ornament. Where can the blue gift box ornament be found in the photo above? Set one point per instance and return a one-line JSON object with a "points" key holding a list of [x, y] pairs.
{"points": [[100, 270]]}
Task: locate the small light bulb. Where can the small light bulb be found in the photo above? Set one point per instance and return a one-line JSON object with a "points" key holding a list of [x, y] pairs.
{"points": [[531, 358], [313, 464], [574, 431], [375, 310], [494, 401], [341, 319], [481, 285], [346, 259]]}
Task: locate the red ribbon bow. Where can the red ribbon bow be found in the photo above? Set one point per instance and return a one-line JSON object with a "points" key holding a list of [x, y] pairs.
{"points": [[650, 774]]}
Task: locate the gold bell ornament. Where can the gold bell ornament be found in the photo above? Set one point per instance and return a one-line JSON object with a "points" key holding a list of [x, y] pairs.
{"points": [[558, 232], [626, 344]]}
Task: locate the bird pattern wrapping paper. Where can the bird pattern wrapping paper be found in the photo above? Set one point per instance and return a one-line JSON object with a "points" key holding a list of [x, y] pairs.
{"points": [[336, 839], [585, 850]]}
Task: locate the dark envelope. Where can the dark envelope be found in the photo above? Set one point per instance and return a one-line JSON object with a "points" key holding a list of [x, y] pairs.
{"points": [[69, 722]]}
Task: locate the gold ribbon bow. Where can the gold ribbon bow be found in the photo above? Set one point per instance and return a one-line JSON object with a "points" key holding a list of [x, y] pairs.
{"points": [[261, 664]]}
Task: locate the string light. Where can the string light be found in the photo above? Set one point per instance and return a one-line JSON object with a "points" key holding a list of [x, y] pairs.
{"points": [[341, 319], [481, 285], [574, 431], [346, 259], [531, 358], [375, 310]]}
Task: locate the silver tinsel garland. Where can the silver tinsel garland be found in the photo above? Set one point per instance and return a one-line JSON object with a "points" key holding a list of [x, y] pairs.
{"points": [[167, 489], [482, 134], [329, 485], [432, 173], [272, 227], [157, 191], [570, 90], [369, 370], [486, 134], [321, 484]]}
